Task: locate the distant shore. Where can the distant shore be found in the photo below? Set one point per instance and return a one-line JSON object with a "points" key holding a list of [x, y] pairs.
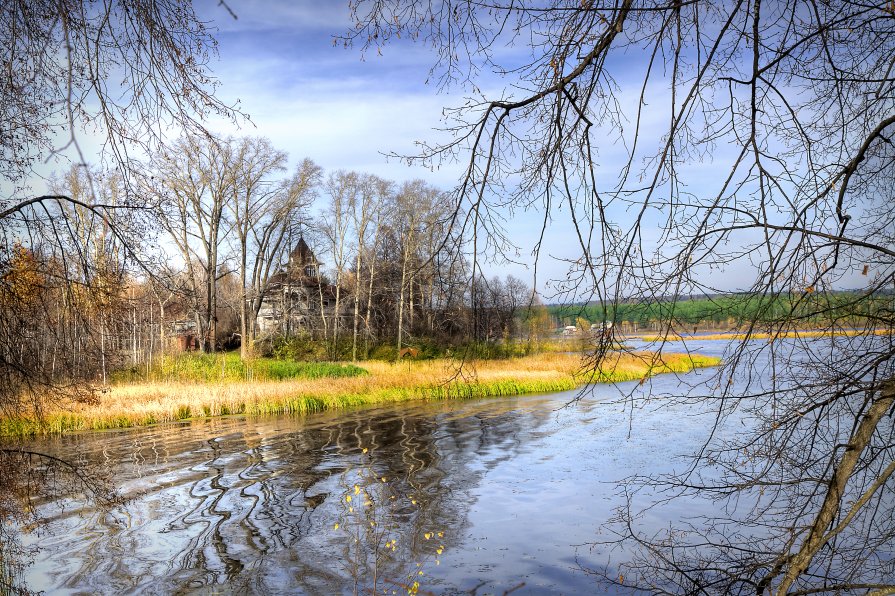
{"points": [[740, 335], [136, 404]]}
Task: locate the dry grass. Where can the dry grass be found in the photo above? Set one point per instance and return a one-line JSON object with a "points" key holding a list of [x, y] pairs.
{"points": [[141, 404]]}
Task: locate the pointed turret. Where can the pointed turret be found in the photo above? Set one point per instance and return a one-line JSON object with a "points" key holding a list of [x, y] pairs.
{"points": [[302, 260]]}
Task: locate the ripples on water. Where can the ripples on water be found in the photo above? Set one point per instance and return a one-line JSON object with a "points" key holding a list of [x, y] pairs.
{"points": [[519, 487]]}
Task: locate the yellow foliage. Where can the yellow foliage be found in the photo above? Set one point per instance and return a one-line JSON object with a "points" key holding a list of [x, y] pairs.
{"points": [[22, 281]]}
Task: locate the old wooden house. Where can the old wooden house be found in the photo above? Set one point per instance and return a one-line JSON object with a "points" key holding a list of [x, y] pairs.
{"points": [[299, 299]]}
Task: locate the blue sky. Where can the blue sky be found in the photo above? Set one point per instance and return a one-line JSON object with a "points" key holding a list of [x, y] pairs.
{"points": [[317, 100], [342, 108], [345, 110]]}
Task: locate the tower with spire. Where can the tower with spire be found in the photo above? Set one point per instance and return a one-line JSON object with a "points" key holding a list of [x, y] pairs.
{"points": [[298, 298]]}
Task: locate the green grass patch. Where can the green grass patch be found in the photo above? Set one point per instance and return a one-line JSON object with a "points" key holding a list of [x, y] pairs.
{"points": [[212, 368], [612, 374]]}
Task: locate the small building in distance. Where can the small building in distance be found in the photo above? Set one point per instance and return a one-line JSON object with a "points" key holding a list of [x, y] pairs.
{"points": [[185, 332], [298, 299]]}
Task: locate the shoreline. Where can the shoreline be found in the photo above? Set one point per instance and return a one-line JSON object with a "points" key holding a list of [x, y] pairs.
{"points": [[755, 335], [134, 405]]}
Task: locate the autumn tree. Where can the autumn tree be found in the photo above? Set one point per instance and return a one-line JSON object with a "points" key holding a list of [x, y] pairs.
{"points": [[261, 208], [535, 321], [126, 72], [700, 148]]}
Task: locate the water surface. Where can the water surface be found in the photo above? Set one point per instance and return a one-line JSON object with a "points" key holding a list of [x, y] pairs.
{"points": [[485, 495]]}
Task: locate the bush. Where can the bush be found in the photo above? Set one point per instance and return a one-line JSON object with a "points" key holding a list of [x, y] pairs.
{"points": [[298, 347], [496, 350], [384, 352]]}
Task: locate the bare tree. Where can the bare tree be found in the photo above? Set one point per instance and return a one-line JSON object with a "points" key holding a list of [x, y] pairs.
{"points": [[123, 70], [128, 69], [261, 209], [745, 145], [384, 211], [127, 72], [343, 189], [99, 254], [196, 179], [366, 221], [164, 287], [407, 231], [415, 217], [271, 231], [254, 195]]}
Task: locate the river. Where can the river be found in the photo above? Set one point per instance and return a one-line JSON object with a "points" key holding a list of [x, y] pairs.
{"points": [[483, 496]]}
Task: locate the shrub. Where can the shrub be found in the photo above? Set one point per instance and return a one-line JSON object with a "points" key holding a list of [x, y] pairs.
{"points": [[298, 347]]}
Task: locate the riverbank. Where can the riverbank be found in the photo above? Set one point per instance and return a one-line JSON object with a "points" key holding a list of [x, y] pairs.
{"points": [[741, 335], [146, 403]]}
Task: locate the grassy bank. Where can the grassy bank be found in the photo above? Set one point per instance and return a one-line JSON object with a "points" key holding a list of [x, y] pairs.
{"points": [[229, 367], [145, 403]]}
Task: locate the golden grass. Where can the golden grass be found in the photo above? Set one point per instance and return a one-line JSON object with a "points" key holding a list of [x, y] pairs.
{"points": [[756, 335], [142, 404]]}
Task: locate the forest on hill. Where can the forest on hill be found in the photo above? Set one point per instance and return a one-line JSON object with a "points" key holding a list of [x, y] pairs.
{"points": [[806, 309]]}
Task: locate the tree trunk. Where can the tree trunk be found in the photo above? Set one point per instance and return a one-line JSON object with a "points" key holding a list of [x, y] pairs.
{"points": [[820, 532], [212, 299], [369, 310], [356, 306], [401, 302], [336, 316], [322, 311], [245, 342]]}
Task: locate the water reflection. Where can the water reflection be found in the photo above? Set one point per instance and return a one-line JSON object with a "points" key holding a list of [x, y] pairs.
{"points": [[251, 505]]}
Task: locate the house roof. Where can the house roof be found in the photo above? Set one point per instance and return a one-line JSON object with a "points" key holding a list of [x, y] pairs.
{"points": [[296, 271], [302, 254], [280, 281]]}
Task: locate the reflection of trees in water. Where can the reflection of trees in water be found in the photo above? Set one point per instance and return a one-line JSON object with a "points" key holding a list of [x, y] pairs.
{"points": [[425, 460], [758, 483], [253, 507], [31, 480]]}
